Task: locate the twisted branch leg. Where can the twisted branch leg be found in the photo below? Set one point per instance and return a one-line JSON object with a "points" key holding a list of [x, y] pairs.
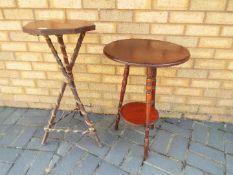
{"points": [[54, 112], [67, 72]]}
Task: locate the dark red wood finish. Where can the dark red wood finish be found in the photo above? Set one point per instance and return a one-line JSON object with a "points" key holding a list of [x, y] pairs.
{"points": [[122, 94], [149, 103], [150, 54], [135, 113]]}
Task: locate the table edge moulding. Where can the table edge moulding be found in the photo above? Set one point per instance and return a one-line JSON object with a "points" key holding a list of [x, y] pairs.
{"points": [[58, 27]]}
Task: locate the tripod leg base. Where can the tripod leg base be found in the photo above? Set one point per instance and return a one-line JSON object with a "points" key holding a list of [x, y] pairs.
{"points": [[98, 140], [44, 139], [117, 122]]}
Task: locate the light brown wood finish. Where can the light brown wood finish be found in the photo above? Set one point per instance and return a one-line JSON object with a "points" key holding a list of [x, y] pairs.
{"points": [[144, 52], [59, 28]]}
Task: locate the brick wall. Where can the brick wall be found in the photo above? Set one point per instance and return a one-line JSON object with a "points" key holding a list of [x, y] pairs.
{"points": [[202, 88]]}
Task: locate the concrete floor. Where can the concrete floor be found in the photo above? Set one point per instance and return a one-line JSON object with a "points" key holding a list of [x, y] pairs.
{"points": [[178, 147]]}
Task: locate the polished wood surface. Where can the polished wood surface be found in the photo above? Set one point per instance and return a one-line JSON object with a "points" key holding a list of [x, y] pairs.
{"points": [[144, 52], [58, 27], [150, 54], [150, 86], [122, 94], [135, 113]]}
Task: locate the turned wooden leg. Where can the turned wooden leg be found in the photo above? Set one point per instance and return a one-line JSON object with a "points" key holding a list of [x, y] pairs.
{"points": [[149, 105], [122, 94], [153, 91], [54, 112], [154, 73]]}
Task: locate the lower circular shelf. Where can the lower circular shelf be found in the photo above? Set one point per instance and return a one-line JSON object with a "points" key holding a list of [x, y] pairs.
{"points": [[135, 113]]}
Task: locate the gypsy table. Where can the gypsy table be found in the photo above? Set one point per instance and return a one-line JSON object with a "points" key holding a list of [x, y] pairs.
{"points": [[150, 54], [59, 28]]}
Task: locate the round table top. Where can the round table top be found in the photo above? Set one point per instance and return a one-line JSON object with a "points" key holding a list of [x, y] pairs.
{"points": [[144, 52], [58, 27]]}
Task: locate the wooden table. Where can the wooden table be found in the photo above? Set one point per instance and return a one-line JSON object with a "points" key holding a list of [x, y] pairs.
{"points": [[150, 54], [59, 28]]}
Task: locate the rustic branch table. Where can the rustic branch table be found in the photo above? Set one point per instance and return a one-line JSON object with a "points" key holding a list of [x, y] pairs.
{"points": [[59, 28], [150, 54]]}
